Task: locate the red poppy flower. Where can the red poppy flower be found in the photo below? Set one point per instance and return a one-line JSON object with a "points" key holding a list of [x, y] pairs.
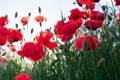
{"points": [[15, 36], [97, 15], [118, 16], [2, 40], [39, 18], [66, 30], [76, 14], [93, 24], [3, 21], [66, 37], [4, 31], [70, 27], [32, 51], [117, 2], [58, 26], [92, 42], [24, 20], [22, 76], [89, 6], [44, 39], [87, 1]]}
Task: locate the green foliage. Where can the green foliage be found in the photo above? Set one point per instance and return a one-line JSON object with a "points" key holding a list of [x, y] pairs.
{"points": [[67, 63], [9, 70]]}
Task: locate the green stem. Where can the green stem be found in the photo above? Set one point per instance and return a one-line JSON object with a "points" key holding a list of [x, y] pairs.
{"points": [[113, 66], [109, 78], [86, 66], [1, 72], [114, 11], [94, 65]]}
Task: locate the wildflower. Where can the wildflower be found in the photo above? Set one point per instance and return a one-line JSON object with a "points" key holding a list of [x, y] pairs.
{"points": [[15, 36], [117, 21], [24, 20], [76, 14], [32, 51], [58, 26], [96, 15], [4, 31], [66, 37], [93, 24], [66, 30], [3, 21], [44, 39], [92, 42], [2, 40], [69, 27], [89, 6], [87, 1], [22, 76], [117, 2], [118, 16], [39, 18]]}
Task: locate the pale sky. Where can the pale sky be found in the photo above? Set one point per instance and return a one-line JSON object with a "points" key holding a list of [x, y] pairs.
{"points": [[51, 9]]}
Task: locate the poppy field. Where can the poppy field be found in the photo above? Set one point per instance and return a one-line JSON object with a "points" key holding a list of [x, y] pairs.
{"points": [[84, 45]]}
